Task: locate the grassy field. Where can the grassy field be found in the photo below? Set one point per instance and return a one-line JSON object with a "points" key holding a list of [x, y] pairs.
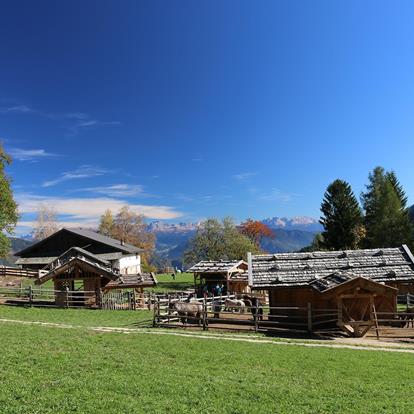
{"points": [[55, 370], [166, 283]]}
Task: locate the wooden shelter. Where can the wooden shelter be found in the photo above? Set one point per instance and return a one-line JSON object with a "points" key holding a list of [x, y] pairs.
{"points": [[85, 261], [358, 283], [232, 274]]}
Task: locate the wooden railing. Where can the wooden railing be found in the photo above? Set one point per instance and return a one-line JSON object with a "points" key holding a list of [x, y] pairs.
{"points": [[16, 272]]}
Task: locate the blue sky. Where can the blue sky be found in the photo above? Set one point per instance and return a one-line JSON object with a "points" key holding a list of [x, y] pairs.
{"points": [[187, 109]]}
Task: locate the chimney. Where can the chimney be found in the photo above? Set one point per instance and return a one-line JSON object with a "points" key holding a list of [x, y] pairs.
{"points": [[122, 243]]}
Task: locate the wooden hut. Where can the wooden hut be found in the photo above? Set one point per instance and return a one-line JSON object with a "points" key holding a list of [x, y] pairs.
{"points": [[355, 282], [85, 261], [232, 274]]}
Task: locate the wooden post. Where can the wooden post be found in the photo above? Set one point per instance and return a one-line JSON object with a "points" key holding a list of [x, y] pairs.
{"points": [[150, 301], [66, 297], [30, 296], [129, 299], [98, 293], [168, 311], [205, 326], [154, 321], [376, 320], [309, 317], [256, 316]]}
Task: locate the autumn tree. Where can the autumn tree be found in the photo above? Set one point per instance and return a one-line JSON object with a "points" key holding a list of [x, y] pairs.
{"points": [[131, 228], [387, 220], [46, 222], [217, 240], [341, 217], [8, 207], [106, 223], [256, 230]]}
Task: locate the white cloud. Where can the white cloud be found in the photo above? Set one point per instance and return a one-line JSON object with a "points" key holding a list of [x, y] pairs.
{"points": [[244, 175], [84, 171], [90, 209], [74, 122], [277, 195], [24, 109], [29, 154], [117, 190]]}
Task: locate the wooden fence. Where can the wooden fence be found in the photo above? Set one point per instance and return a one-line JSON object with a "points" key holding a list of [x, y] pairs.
{"points": [[212, 313], [407, 300], [112, 300], [16, 272]]}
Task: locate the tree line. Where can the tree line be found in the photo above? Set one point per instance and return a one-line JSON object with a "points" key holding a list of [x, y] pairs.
{"points": [[381, 219]]}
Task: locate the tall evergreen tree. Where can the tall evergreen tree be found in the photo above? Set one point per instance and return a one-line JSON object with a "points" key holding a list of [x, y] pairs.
{"points": [[387, 220], [8, 207], [341, 217]]}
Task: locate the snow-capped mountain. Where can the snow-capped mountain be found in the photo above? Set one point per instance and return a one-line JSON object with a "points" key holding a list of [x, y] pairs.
{"points": [[294, 223]]}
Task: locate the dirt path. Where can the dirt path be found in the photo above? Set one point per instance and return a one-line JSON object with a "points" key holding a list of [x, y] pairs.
{"points": [[342, 343]]}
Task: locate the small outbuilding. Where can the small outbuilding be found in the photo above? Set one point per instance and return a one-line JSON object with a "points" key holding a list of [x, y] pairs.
{"points": [[357, 283], [231, 274], [86, 262]]}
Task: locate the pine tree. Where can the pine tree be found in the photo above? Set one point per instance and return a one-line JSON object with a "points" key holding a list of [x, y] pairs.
{"points": [[341, 218], [387, 220], [8, 207]]}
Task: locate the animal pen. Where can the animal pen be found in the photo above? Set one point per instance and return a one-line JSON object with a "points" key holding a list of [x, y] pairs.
{"points": [[248, 314]]}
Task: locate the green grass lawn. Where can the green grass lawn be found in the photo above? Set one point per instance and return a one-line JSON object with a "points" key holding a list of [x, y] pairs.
{"points": [[166, 283], [50, 370]]}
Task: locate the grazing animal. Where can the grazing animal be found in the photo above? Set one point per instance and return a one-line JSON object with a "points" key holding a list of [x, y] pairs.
{"points": [[407, 318], [234, 305], [251, 304], [191, 309]]}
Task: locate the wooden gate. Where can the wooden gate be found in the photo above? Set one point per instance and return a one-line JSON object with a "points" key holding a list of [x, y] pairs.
{"points": [[356, 313]]}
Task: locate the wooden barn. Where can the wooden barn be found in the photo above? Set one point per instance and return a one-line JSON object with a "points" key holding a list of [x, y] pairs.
{"points": [[85, 261], [355, 282], [232, 274]]}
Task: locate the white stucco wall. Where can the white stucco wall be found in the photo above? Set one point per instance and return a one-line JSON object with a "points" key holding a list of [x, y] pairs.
{"points": [[129, 265]]}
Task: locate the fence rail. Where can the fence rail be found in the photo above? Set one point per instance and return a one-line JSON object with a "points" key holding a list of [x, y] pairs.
{"points": [[407, 299], [112, 300], [212, 312], [16, 272]]}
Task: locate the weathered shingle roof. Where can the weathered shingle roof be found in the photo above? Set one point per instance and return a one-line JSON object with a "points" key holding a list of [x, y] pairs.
{"points": [[300, 269], [35, 260], [221, 266], [133, 281]]}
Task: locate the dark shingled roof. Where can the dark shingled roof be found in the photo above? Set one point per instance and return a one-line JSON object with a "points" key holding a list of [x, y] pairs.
{"points": [[221, 266], [125, 247], [301, 269], [91, 235]]}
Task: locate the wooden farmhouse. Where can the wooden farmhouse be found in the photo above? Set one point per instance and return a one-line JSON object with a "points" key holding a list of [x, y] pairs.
{"points": [[232, 274], [93, 261], [355, 282]]}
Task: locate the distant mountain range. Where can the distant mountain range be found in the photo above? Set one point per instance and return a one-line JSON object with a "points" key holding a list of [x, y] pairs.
{"points": [[292, 234]]}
